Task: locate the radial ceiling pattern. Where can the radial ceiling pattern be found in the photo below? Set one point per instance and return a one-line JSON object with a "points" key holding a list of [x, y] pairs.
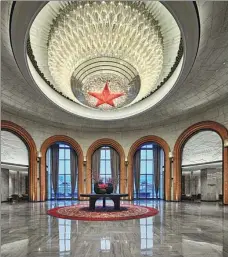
{"points": [[79, 47], [202, 80]]}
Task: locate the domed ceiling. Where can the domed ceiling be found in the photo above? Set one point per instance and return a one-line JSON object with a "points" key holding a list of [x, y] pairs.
{"points": [[105, 55], [188, 83]]}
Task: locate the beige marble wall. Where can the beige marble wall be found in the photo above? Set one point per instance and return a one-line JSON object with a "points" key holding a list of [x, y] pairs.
{"points": [[169, 132]]}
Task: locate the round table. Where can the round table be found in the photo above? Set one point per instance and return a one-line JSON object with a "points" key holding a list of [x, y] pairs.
{"points": [[94, 197]]}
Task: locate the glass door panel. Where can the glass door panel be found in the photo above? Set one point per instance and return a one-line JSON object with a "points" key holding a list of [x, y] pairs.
{"points": [[147, 172], [64, 175]]}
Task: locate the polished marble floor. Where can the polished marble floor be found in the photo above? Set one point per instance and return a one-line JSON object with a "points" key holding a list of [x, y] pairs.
{"points": [[179, 230]]}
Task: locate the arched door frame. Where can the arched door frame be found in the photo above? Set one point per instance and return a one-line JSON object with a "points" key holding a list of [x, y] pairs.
{"points": [[178, 148], [116, 146], [164, 145], [32, 151], [46, 144]]}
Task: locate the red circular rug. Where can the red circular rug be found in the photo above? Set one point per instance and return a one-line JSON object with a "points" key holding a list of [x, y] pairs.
{"points": [[82, 212]]}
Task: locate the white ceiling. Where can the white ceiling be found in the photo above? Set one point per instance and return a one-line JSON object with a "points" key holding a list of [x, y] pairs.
{"points": [[205, 85], [204, 147], [13, 149]]}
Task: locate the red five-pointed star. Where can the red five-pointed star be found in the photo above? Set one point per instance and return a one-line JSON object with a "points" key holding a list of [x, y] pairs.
{"points": [[105, 97]]}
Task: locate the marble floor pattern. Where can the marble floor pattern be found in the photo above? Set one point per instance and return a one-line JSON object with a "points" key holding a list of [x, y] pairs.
{"points": [[179, 230]]}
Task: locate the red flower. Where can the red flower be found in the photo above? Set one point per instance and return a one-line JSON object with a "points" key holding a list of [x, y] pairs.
{"points": [[102, 186]]}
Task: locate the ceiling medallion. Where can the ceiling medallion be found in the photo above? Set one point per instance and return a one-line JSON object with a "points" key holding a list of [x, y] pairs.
{"points": [[105, 97]]}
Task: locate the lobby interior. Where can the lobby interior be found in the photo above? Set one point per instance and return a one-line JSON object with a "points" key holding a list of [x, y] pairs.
{"points": [[134, 91]]}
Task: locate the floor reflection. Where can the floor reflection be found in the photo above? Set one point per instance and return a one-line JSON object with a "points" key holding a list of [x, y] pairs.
{"points": [[64, 235], [105, 244], [179, 230], [146, 234]]}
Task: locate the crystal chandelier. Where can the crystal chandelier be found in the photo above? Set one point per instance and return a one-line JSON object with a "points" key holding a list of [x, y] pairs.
{"points": [[78, 46], [105, 29]]}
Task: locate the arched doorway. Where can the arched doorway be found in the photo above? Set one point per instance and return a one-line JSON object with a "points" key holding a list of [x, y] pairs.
{"points": [[201, 167], [178, 149], [61, 168], [150, 148], [32, 154], [104, 150]]}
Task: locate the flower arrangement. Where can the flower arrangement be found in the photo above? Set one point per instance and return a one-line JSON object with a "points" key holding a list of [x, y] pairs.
{"points": [[100, 187]]}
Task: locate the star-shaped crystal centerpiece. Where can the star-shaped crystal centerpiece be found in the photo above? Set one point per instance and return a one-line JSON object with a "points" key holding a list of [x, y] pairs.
{"points": [[106, 96]]}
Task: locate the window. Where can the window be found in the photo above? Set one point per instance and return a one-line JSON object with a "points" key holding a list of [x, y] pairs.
{"points": [[147, 187], [49, 189], [64, 181], [64, 176], [105, 166]]}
